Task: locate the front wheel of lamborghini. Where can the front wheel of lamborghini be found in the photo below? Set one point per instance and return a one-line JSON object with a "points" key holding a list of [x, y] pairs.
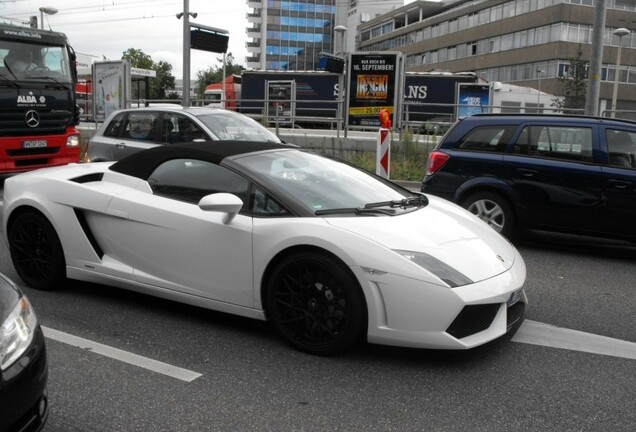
{"points": [[316, 303]]}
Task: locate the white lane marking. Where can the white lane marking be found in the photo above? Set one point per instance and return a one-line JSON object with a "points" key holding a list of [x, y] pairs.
{"points": [[536, 333], [531, 332], [124, 356]]}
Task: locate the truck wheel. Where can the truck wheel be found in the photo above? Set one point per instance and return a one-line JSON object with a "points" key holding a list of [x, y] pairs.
{"points": [[493, 209]]}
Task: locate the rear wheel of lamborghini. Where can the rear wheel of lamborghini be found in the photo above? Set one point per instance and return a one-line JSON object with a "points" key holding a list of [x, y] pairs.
{"points": [[36, 251]]}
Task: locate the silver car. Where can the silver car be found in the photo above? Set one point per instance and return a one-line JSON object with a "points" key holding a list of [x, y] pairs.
{"points": [[130, 130]]}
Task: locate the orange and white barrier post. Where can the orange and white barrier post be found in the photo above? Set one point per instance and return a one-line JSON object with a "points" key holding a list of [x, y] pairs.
{"points": [[383, 151], [383, 154]]}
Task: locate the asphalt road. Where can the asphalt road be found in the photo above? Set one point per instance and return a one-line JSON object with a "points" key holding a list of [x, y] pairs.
{"points": [[247, 379]]}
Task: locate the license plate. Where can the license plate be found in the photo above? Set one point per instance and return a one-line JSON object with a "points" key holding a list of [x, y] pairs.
{"points": [[34, 143]]}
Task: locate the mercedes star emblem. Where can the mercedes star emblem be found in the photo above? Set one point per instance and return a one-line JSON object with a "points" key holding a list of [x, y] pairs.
{"points": [[32, 118]]}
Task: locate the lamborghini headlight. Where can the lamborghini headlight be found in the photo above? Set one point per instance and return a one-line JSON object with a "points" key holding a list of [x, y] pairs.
{"points": [[443, 271], [17, 332]]}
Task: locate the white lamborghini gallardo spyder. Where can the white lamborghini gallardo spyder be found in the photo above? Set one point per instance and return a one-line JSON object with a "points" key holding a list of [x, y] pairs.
{"points": [[329, 253]]}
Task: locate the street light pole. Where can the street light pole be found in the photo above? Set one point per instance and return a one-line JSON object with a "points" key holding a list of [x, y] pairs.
{"points": [[46, 10], [186, 14], [340, 29], [596, 58], [620, 32], [540, 74]]}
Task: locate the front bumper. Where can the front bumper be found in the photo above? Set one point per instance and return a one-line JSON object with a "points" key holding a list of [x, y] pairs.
{"points": [[23, 397], [16, 158], [411, 313]]}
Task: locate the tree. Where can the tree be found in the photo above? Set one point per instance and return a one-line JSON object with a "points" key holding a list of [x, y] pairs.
{"points": [[574, 85], [215, 74], [138, 58], [159, 85], [163, 82]]}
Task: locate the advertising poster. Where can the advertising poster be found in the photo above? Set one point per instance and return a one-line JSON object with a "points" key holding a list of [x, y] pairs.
{"points": [[472, 99], [373, 80], [280, 105], [110, 87]]}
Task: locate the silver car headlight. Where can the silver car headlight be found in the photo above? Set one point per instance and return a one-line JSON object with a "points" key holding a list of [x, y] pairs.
{"points": [[17, 332], [443, 271]]}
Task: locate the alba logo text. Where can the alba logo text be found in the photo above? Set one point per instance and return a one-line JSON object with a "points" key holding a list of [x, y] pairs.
{"points": [[27, 99]]}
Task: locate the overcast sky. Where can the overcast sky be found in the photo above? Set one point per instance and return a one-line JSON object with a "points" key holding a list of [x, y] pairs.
{"points": [[109, 27]]}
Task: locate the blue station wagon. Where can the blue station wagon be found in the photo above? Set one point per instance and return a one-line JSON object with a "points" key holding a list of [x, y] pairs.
{"points": [[561, 173]]}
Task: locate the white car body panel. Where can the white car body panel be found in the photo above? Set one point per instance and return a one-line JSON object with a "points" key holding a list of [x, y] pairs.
{"points": [[436, 230], [221, 265]]}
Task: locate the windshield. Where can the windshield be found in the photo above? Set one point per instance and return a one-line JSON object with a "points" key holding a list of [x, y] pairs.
{"points": [[34, 62], [212, 97], [228, 125], [322, 184]]}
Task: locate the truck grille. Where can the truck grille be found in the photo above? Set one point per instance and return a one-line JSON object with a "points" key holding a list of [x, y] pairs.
{"points": [[33, 151], [51, 121]]}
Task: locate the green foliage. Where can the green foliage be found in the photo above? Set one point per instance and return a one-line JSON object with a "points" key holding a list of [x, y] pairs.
{"points": [[407, 161], [574, 86], [401, 169], [409, 170], [406, 148], [160, 85], [138, 58], [214, 74], [163, 82], [364, 160]]}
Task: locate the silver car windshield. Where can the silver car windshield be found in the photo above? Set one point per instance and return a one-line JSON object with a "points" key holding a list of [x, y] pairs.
{"points": [[227, 125], [320, 183]]}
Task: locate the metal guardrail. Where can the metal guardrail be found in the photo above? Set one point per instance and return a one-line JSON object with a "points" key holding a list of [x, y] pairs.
{"points": [[620, 114], [426, 118]]}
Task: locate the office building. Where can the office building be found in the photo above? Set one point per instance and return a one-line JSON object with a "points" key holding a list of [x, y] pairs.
{"points": [[291, 34], [522, 42]]}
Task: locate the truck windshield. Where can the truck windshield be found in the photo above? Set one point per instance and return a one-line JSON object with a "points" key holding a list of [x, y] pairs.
{"points": [[212, 97], [22, 61]]}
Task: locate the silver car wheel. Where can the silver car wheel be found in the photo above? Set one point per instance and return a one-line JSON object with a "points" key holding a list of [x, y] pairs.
{"points": [[490, 212]]}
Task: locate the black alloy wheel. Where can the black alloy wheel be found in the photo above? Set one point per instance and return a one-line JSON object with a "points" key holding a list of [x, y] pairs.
{"points": [[36, 251], [316, 304]]}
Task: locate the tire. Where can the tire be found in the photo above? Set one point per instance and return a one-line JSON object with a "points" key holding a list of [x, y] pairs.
{"points": [[316, 304], [36, 251], [493, 209]]}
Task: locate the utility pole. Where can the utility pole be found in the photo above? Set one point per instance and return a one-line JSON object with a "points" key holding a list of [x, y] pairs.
{"points": [[186, 14], [596, 60]]}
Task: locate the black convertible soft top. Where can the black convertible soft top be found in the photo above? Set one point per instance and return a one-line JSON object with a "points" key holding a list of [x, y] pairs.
{"points": [[143, 163]]}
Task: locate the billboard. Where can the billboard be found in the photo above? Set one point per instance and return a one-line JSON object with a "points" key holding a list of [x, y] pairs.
{"points": [[432, 96], [472, 99], [111, 87], [280, 101], [374, 80]]}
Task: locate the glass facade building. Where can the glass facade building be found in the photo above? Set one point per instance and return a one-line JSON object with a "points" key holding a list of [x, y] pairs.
{"points": [[289, 34]]}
